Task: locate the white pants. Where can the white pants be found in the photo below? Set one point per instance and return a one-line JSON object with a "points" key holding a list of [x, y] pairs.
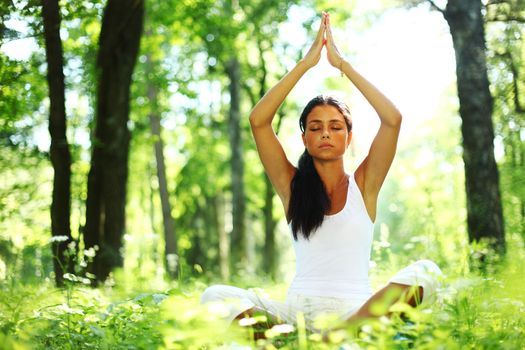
{"points": [[422, 273]]}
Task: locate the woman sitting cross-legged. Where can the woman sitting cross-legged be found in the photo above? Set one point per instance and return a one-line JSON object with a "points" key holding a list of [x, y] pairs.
{"points": [[330, 212]]}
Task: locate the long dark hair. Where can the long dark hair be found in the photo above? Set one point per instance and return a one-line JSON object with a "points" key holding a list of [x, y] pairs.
{"points": [[309, 201]]}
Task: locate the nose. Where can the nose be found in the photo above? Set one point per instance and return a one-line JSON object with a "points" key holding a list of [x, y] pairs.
{"points": [[326, 134]]}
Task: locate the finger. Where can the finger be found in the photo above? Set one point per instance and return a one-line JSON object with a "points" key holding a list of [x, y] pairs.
{"points": [[329, 35], [321, 31]]}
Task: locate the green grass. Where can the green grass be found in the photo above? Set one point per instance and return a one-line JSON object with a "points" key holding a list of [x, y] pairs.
{"points": [[474, 312]]}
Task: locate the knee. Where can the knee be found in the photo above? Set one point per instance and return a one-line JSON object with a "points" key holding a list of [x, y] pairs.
{"points": [[429, 278], [211, 294], [429, 267]]}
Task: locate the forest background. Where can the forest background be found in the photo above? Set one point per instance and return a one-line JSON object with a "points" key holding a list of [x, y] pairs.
{"points": [[128, 171]]}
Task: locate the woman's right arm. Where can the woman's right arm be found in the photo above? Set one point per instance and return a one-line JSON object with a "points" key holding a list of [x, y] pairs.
{"points": [[276, 164]]}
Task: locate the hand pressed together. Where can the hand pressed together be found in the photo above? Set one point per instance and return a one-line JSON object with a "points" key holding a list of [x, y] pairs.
{"points": [[314, 54], [333, 55], [324, 38]]}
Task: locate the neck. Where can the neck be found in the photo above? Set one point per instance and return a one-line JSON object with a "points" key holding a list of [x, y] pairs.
{"points": [[332, 174]]}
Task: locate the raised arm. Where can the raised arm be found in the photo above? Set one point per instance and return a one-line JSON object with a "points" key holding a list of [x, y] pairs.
{"points": [[276, 164], [374, 168]]}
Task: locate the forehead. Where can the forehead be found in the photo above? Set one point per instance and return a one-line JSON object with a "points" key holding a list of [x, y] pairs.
{"points": [[325, 113]]}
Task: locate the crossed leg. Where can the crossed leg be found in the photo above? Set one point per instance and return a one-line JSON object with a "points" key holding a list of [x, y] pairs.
{"points": [[376, 306], [379, 304]]}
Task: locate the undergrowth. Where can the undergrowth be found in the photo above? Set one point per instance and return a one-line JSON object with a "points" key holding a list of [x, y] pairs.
{"points": [[474, 311]]}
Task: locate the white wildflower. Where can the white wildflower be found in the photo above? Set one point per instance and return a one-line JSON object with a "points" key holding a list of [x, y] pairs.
{"points": [[247, 321], [71, 245], [70, 277], [283, 328], [58, 239], [90, 253]]}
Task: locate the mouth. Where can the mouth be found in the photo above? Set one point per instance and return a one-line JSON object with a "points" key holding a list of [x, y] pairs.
{"points": [[325, 145]]}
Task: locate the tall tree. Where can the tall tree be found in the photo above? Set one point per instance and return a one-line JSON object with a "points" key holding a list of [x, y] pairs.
{"points": [[226, 39], [170, 239], [153, 77], [232, 68], [106, 202], [238, 240], [270, 258], [224, 266], [263, 31], [507, 44], [59, 149], [484, 209]]}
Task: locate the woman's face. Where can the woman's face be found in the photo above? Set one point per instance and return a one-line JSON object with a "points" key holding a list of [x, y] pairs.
{"points": [[326, 135]]}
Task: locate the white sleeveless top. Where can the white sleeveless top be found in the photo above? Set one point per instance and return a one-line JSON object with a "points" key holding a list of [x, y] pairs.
{"points": [[334, 262]]}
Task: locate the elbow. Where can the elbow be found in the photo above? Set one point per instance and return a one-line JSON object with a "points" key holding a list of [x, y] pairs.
{"points": [[398, 118], [395, 120], [254, 121]]}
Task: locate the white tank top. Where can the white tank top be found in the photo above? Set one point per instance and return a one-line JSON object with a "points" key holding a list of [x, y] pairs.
{"points": [[334, 262]]}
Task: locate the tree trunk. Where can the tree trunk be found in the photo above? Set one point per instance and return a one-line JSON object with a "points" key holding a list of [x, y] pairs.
{"points": [[170, 240], [223, 237], [195, 255], [158, 256], [105, 208], [514, 145], [522, 216], [59, 149], [238, 243], [484, 211], [269, 258]]}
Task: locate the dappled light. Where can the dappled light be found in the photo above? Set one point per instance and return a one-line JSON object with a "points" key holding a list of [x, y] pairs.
{"points": [[165, 183]]}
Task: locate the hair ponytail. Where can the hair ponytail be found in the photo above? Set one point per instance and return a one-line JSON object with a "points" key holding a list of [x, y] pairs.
{"points": [[309, 201]]}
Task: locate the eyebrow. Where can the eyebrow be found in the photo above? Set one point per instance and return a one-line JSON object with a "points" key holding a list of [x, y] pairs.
{"points": [[330, 121]]}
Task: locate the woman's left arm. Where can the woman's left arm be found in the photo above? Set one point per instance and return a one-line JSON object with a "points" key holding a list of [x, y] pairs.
{"points": [[375, 166]]}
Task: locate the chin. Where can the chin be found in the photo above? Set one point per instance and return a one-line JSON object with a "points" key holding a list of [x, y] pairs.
{"points": [[327, 158]]}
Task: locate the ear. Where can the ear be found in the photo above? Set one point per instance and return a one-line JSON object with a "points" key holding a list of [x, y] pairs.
{"points": [[304, 139], [349, 139]]}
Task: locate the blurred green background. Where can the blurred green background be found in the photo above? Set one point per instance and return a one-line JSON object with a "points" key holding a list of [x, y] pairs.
{"points": [[196, 207]]}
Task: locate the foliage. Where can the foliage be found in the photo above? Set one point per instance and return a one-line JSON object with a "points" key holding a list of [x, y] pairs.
{"points": [[186, 43], [20, 117], [473, 311], [24, 224], [507, 60], [415, 216]]}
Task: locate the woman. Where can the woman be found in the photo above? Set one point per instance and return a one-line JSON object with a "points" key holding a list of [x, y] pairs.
{"points": [[330, 213]]}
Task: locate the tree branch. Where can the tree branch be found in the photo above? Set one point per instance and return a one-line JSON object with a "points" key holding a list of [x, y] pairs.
{"points": [[436, 7]]}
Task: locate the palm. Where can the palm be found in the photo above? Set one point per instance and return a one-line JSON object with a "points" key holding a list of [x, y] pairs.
{"points": [[314, 54], [333, 55]]}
